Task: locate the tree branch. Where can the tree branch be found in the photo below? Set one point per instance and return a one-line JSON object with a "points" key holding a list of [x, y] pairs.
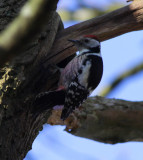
{"points": [[105, 120], [110, 25], [124, 76], [28, 23]]}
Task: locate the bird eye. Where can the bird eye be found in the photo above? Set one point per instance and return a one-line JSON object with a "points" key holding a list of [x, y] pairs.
{"points": [[86, 40]]}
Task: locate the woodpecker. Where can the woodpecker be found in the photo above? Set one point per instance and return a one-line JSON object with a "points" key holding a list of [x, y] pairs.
{"points": [[82, 74], [78, 79]]}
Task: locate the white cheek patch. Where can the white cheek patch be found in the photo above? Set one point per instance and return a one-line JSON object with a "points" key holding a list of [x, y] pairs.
{"points": [[94, 43]]}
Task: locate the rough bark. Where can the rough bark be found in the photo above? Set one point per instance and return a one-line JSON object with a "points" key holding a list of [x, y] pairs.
{"points": [[21, 80], [24, 27], [32, 71], [105, 120]]}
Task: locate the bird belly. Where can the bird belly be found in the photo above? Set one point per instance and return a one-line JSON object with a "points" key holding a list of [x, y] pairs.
{"points": [[83, 77]]}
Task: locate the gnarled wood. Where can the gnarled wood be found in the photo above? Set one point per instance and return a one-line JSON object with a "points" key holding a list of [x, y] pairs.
{"points": [[20, 81]]}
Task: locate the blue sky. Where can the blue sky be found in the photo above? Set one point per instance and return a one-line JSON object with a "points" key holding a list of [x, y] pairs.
{"points": [[73, 5], [119, 54]]}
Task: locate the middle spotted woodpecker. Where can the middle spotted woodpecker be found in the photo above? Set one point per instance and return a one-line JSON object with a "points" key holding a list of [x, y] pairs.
{"points": [[78, 79], [82, 74]]}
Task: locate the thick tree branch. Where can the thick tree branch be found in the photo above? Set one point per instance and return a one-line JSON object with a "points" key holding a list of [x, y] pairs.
{"points": [[25, 27], [126, 19], [105, 120], [124, 76]]}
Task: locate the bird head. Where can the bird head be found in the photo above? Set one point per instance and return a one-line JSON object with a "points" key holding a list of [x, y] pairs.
{"points": [[88, 43]]}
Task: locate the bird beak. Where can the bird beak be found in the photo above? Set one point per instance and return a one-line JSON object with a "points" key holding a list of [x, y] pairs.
{"points": [[73, 41]]}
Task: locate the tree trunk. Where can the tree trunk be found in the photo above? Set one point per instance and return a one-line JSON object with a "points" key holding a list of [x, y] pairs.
{"points": [[21, 80]]}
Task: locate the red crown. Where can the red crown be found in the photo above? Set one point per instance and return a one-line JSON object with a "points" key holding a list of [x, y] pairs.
{"points": [[92, 36]]}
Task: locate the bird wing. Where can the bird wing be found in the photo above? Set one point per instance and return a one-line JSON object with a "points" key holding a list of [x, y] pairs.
{"points": [[70, 72]]}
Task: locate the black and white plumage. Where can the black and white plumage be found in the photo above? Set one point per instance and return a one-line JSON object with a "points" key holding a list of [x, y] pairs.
{"points": [[78, 79], [83, 74]]}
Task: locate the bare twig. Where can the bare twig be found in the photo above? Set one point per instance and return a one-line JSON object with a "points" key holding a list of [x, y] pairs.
{"points": [[129, 0], [117, 81]]}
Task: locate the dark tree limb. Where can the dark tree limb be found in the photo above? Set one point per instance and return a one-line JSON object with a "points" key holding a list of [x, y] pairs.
{"points": [[24, 28], [105, 120], [20, 81]]}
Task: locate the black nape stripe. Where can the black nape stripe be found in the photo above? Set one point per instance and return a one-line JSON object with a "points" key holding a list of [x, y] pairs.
{"points": [[91, 50], [94, 49]]}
